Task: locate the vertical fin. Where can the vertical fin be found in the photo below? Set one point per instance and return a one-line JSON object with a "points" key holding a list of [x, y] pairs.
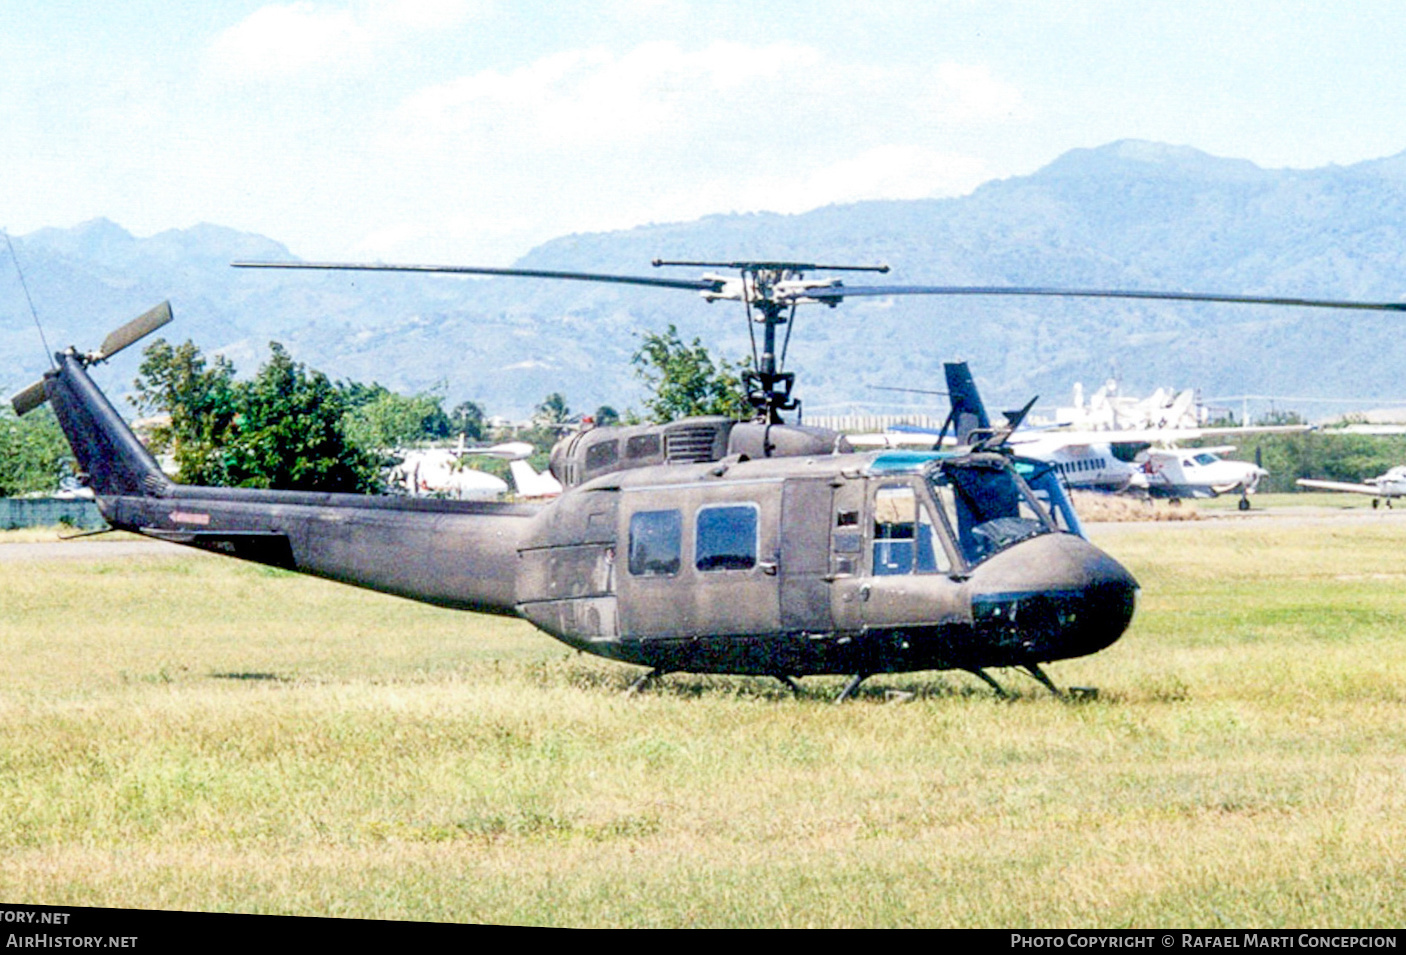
{"points": [[113, 461], [968, 412]]}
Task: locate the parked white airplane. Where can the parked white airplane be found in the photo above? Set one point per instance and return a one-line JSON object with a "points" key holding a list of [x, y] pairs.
{"points": [[1112, 461], [1167, 472], [1197, 472], [1383, 487], [437, 471]]}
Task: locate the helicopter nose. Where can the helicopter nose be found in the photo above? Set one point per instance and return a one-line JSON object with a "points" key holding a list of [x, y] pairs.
{"points": [[1052, 597]]}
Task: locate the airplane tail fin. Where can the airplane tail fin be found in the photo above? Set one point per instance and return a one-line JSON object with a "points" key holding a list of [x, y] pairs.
{"points": [[111, 459], [968, 413], [531, 484]]}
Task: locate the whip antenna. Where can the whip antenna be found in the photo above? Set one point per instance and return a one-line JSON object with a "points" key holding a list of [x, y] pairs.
{"points": [[49, 352]]}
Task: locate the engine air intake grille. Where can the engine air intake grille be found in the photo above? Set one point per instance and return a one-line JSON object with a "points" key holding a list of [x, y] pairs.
{"points": [[690, 444]]}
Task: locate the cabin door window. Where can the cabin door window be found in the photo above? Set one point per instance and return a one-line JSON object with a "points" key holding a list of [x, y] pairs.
{"points": [[656, 543], [725, 537]]}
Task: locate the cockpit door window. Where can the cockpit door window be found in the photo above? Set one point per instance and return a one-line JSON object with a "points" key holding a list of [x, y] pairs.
{"points": [[906, 539]]}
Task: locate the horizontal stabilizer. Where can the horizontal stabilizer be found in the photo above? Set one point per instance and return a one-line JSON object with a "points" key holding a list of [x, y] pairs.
{"points": [[31, 398]]}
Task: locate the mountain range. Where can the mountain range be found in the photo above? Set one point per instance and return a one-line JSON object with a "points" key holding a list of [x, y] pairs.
{"points": [[1129, 214]]}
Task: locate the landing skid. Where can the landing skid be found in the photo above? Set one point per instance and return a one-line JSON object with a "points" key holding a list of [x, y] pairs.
{"points": [[1034, 670], [109, 530], [645, 681], [990, 681], [648, 678], [851, 686]]}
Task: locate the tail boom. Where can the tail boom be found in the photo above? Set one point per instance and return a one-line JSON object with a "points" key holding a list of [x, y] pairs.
{"points": [[458, 554]]}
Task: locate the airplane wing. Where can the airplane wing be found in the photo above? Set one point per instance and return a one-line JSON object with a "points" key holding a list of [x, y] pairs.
{"points": [[1345, 486], [1253, 429], [897, 437], [1153, 435]]}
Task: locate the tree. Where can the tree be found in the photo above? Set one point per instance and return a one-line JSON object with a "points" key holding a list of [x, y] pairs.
{"points": [[552, 411], [389, 420], [684, 381], [292, 433], [34, 456], [467, 419], [201, 400], [284, 429]]}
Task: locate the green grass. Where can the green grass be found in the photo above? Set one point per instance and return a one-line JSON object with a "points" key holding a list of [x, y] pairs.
{"points": [[191, 733], [1340, 501]]}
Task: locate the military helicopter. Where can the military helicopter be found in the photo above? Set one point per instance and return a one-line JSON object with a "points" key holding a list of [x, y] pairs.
{"points": [[704, 545]]}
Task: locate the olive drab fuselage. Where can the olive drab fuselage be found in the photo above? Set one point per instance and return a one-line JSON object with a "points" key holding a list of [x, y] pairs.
{"points": [[703, 545], [833, 563]]}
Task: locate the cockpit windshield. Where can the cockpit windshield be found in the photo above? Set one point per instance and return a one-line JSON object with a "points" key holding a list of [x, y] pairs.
{"points": [[988, 505]]}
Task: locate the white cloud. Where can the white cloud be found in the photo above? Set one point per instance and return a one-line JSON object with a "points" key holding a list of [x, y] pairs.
{"points": [[593, 96], [883, 172], [396, 16], [592, 139], [967, 94], [282, 40], [725, 94]]}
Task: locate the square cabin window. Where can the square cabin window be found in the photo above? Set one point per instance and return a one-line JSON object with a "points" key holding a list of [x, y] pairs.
{"points": [[726, 537], [655, 543]]}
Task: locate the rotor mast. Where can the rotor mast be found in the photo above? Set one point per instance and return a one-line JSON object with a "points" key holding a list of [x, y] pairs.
{"points": [[770, 291]]}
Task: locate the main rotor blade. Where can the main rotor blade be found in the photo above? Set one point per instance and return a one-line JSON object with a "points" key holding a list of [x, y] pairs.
{"points": [[692, 285], [135, 330], [838, 293], [775, 266]]}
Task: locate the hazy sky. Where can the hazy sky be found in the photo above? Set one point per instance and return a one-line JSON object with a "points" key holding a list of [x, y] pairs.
{"points": [[467, 131]]}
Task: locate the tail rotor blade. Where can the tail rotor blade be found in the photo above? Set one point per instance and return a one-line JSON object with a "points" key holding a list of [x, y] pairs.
{"points": [[135, 330], [31, 398]]}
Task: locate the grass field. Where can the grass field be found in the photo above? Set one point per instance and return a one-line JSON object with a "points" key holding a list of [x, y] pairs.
{"points": [[191, 733]]}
